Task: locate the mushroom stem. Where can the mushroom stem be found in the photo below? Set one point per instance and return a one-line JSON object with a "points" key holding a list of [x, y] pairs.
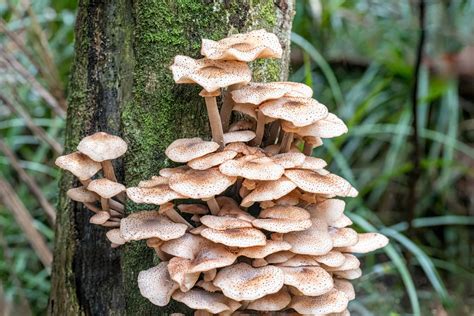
{"points": [[260, 128], [238, 185], [286, 142], [108, 170], [117, 206], [274, 131], [95, 209], [104, 203], [176, 217], [227, 106], [215, 121], [213, 206], [161, 254], [111, 224], [86, 182], [280, 136], [308, 148]]}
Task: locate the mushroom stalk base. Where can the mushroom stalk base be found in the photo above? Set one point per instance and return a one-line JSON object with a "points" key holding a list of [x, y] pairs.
{"points": [[108, 170], [227, 106], [274, 131], [215, 121], [308, 149], [260, 128], [177, 218], [213, 206], [286, 142]]}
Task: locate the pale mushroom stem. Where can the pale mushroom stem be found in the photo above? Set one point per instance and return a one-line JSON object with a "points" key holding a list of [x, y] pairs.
{"points": [[111, 224], [108, 170], [104, 203], [95, 209], [286, 142], [215, 121], [227, 106], [213, 206], [274, 131], [308, 148], [117, 206], [260, 128], [280, 136], [176, 217]]}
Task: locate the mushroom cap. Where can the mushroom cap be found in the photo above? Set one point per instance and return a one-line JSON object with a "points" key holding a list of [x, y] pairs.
{"points": [[157, 195], [156, 285], [285, 212], [201, 184], [343, 237], [311, 281], [102, 146], [260, 168], [312, 163], [269, 190], [243, 282], [105, 187], [259, 92], [298, 111], [243, 47], [79, 165], [196, 209], [260, 252], [212, 159], [153, 182], [289, 160], [185, 246], [202, 300], [328, 127], [279, 257], [210, 74], [224, 222], [332, 302], [237, 237], [246, 109], [328, 210], [350, 263], [178, 268], [299, 261], [212, 256], [237, 213], [272, 302], [115, 237], [168, 172], [367, 242], [332, 259], [149, 224], [81, 194], [349, 274], [241, 125], [345, 287], [341, 222], [186, 149], [282, 225], [244, 149], [238, 136], [99, 218], [314, 241]]}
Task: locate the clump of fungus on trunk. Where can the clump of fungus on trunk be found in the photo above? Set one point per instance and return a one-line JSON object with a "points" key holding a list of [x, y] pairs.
{"points": [[250, 222]]}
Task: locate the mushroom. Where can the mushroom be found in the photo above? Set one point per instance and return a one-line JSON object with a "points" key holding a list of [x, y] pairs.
{"points": [[332, 302], [238, 137], [272, 302], [79, 165], [185, 246], [289, 160], [106, 189], [328, 127], [149, 224], [349, 274], [345, 287], [299, 261], [367, 242], [331, 259], [279, 257], [153, 182], [269, 190], [195, 209], [168, 172], [310, 143], [168, 210], [314, 241], [224, 222], [257, 263], [254, 168], [283, 219], [350, 263], [237, 237], [209, 275], [212, 159], [311, 281], [208, 286], [202, 300], [99, 218], [157, 195], [343, 237], [260, 252], [115, 237], [241, 125], [103, 148], [156, 285], [187, 149], [178, 269], [210, 257]]}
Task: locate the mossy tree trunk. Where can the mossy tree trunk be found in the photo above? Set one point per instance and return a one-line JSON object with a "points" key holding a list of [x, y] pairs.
{"points": [[121, 84]]}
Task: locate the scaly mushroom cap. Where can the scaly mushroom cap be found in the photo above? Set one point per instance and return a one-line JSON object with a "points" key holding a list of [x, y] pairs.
{"points": [[285, 212], [260, 252], [272, 302], [313, 163], [153, 182], [185, 246], [149, 224], [115, 237], [202, 300], [223, 222], [299, 261], [332, 302], [210, 74], [314, 182], [243, 282], [331, 259], [345, 287], [178, 269], [350, 263], [105, 188], [269, 190], [237, 237], [328, 127], [314, 241], [349, 274], [201, 184], [79, 165], [259, 168], [298, 111], [343, 237], [289, 160], [259, 92], [367, 242], [102, 146], [238, 137], [328, 210], [157, 195], [168, 172], [311, 281], [279, 257], [212, 256], [156, 285], [243, 47], [212, 159], [283, 219], [81, 194], [186, 149]]}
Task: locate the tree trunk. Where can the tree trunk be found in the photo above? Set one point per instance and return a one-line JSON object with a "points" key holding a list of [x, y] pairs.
{"points": [[121, 84]]}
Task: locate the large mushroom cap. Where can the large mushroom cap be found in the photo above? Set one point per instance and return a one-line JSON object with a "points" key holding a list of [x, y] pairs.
{"points": [[102, 146], [260, 252], [314, 241], [157, 195], [202, 300], [237, 237], [367, 242], [259, 92], [238, 137], [186, 149], [79, 165], [243, 47], [212, 256], [210, 74], [283, 219], [149, 224], [332, 302], [201, 184], [311, 281], [156, 284], [105, 188], [258, 168], [272, 302], [81, 194], [269, 190], [328, 127], [243, 282], [212, 159], [298, 111], [289, 160], [185, 246], [224, 222]]}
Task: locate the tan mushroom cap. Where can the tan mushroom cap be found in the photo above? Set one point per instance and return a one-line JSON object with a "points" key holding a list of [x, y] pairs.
{"points": [[349, 274], [332, 302], [238, 137], [237, 213], [328, 210], [298, 111], [208, 286], [212, 159], [311, 281], [269, 190], [79, 165], [312, 163], [156, 285], [201, 184], [241, 125], [345, 287], [186, 149], [244, 149], [246, 109], [343, 237], [290, 199], [259, 92], [279, 257], [299, 261], [342, 222], [105, 188], [260, 252], [210, 74], [149, 224], [328, 127], [313, 241], [102, 146], [202, 300], [237, 237], [272, 302], [178, 269], [289, 160], [282, 225], [243, 282], [313, 182], [367, 242], [212, 256], [168, 172], [261, 168], [153, 182], [224, 222], [99, 218], [115, 237], [157, 195], [81, 194], [285, 212], [331, 259], [243, 47], [196, 209], [185, 246], [350, 263]]}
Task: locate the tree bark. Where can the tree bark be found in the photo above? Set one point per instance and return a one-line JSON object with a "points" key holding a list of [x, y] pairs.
{"points": [[121, 84]]}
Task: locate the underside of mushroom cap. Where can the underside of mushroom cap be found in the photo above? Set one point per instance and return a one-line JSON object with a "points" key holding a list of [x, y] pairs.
{"points": [[81, 194]]}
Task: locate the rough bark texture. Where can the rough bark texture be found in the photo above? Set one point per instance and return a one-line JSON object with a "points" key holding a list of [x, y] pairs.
{"points": [[121, 84]]}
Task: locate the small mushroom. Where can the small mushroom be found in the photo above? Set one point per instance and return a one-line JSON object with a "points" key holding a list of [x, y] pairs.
{"points": [[349, 274], [149, 224], [115, 237], [269, 190], [224, 222], [79, 165], [311, 281], [314, 241], [367, 242], [187, 149], [185, 246], [157, 195], [212, 159], [238, 137], [280, 257], [202, 300], [331, 259], [345, 287], [106, 189], [178, 269], [332, 302], [260, 252], [350, 263], [195, 209], [156, 285], [272, 302], [254, 168], [283, 219], [289, 160], [343, 237], [328, 127], [237, 237], [81, 194], [99, 218]]}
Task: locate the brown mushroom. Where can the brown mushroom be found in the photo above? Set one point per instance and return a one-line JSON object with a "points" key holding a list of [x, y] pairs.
{"points": [[79, 165], [367, 242], [272, 302], [106, 189], [149, 224], [252, 167], [269, 190], [311, 281], [202, 300], [332, 302], [187, 149], [156, 285]]}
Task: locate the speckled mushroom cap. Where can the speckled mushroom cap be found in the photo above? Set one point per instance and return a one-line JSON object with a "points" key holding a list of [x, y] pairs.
{"points": [[259, 92], [311, 281], [238, 137], [289, 160], [157, 195], [299, 261], [367, 242], [331, 259], [79, 165], [328, 127], [212, 159], [350, 263], [272, 302], [115, 237], [329, 210], [202, 300], [243, 282], [343, 237], [243, 47], [178, 269], [341, 222], [81, 194], [312, 163], [332, 302], [345, 287], [314, 241], [195, 209], [283, 219], [186, 149], [246, 109], [185, 246], [201, 184], [99, 218], [260, 252], [102, 146], [156, 285], [298, 111], [168, 172], [279, 257], [269, 190], [349, 274], [259, 168], [212, 256], [210, 74], [237, 237], [149, 224], [153, 182], [105, 187], [224, 222]]}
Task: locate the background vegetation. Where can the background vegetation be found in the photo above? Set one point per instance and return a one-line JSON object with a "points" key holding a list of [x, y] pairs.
{"points": [[359, 57]]}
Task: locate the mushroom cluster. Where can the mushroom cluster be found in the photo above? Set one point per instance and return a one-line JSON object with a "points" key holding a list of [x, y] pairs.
{"points": [[250, 222]]}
